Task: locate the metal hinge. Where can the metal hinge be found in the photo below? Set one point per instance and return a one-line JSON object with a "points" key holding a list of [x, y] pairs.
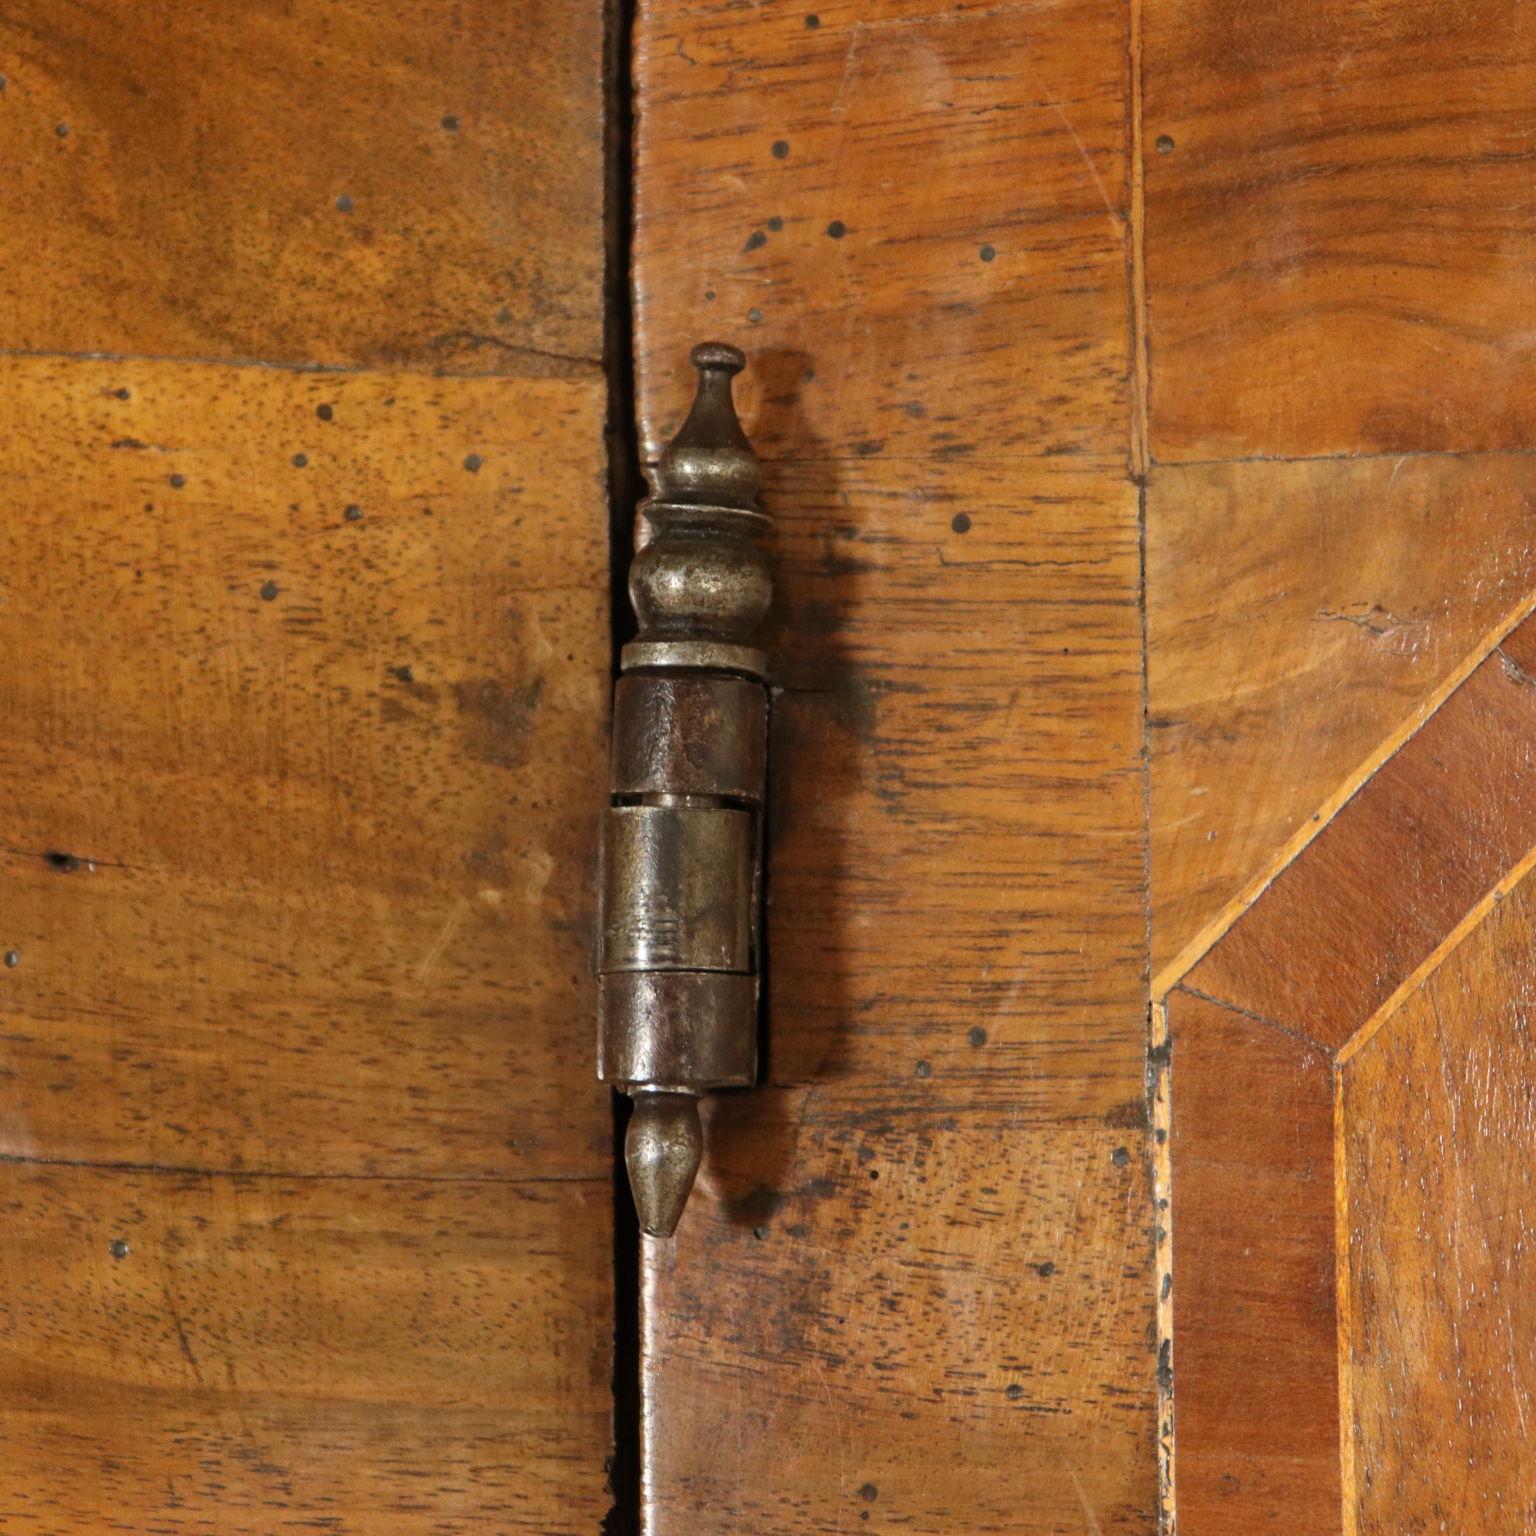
{"points": [[682, 837]]}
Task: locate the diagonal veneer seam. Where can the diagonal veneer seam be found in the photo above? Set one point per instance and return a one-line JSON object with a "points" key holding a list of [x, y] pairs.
{"points": [[1473, 919], [1299, 1035], [1232, 913]]}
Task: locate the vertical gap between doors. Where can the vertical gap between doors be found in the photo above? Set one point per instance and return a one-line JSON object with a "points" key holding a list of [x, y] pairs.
{"points": [[624, 486]]}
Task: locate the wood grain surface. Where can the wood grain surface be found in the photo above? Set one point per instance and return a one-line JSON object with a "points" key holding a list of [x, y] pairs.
{"points": [[1255, 1338], [1339, 226], [304, 599], [288, 890], [1439, 1144], [336, 181], [1336, 239], [1518, 648], [914, 1289], [1358, 1018], [1300, 616], [211, 1352], [1316, 275], [915, 223], [308, 1191], [1433, 829]]}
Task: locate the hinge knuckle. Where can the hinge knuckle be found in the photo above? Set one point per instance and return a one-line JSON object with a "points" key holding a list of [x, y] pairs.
{"points": [[677, 889], [679, 948], [690, 733]]}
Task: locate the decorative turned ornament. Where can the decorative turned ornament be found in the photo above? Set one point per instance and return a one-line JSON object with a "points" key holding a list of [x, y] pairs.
{"points": [[682, 837]]}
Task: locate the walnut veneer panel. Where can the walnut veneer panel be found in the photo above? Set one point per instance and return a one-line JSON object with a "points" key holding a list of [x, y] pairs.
{"points": [[194, 1353], [344, 181], [308, 1194], [1299, 615], [915, 223], [914, 1284], [1410, 855], [302, 761], [949, 1159], [302, 799], [1379, 968], [1255, 1350], [1439, 1147], [1339, 226]]}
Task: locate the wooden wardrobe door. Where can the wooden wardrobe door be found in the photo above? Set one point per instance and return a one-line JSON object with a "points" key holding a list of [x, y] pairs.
{"points": [[1351, 1129], [1338, 234], [913, 1289], [304, 616], [1145, 394]]}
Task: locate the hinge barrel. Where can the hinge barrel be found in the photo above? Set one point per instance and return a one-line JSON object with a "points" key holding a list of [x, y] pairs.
{"points": [[682, 838]]}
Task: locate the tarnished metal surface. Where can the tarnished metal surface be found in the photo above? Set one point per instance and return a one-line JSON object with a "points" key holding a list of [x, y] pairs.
{"points": [[682, 839], [689, 734], [678, 1027], [677, 889], [709, 655], [662, 1150]]}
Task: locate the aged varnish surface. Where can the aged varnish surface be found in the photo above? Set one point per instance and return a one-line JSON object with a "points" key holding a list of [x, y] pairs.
{"points": [[303, 605], [1144, 393], [1342, 731], [913, 1288], [1147, 406]]}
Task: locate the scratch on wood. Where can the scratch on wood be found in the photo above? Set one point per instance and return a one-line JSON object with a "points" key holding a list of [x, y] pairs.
{"points": [[1082, 1496], [441, 942]]}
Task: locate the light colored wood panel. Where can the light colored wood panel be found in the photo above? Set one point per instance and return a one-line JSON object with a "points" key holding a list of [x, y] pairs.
{"points": [[361, 181], [1255, 1356], [915, 222], [916, 225], [1407, 858], [1299, 615], [1339, 226], [297, 854], [956, 852], [1439, 1140], [904, 1311], [195, 1354], [955, 935]]}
